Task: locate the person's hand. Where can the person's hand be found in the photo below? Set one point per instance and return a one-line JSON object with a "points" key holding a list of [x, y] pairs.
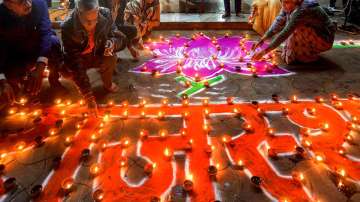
{"points": [[109, 48], [7, 92], [35, 79], [258, 55], [92, 107], [258, 44]]}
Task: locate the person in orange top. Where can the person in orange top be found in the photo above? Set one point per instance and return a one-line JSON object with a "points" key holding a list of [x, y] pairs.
{"points": [[91, 40]]}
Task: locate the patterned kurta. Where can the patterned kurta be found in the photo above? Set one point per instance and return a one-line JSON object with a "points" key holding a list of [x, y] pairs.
{"points": [[144, 14], [307, 30]]}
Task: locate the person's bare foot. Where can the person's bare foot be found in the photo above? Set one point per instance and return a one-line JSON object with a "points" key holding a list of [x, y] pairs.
{"points": [[134, 53], [113, 89]]}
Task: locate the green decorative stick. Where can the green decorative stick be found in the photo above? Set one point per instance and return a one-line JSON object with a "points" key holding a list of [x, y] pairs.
{"points": [[197, 87]]}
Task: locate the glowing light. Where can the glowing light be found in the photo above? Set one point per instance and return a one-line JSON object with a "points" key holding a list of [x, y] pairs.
{"points": [[311, 111], [167, 153], [271, 131], [189, 177], [142, 103], [143, 114], [205, 102], [98, 195], [325, 126], [319, 99], [161, 115], [81, 102], [22, 113], [68, 102], [63, 112], [95, 169], [69, 140], [12, 111], [240, 163], [36, 113], [106, 118], [294, 99], [53, 131], [185, 102], [319, 158], [165, 102], [94, 137], [126, 143], [163, 133], [186, 115], [110, 103], [67, 184], [342, 172], [20, 146], [23, 100]]}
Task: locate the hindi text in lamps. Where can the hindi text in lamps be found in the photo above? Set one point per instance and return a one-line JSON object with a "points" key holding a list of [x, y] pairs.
{"points": [[188, 184], [98, 195], [67, 185], [95, 169]]}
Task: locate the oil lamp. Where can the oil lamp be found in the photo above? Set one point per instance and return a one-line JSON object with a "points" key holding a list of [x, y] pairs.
{"points": [[95, 169], [67, 185], [230, 100], [20, 146], [23, 100], [185, 102], [98, 195], [58, 101], [163, 133], [205, 102], [81, 102], [319, 99], [68, 102], [311, 111], [319, 158], [271, 131], [161, 115], [69, 140], [165, 102], [341, 172], [188, 183], [142, 103], [148, 168], [294, 99], [185, 115], [144, 134], [167, 154], [12, 110]]}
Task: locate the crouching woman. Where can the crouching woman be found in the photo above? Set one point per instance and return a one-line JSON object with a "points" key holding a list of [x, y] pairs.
{"points": [[305, 28]]}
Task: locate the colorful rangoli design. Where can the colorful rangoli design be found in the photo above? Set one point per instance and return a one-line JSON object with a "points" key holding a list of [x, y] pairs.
{"points": [[202, 58]]}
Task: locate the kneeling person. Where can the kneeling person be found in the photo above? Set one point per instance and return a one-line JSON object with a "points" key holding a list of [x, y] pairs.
{"points": [[90, 40], [27, 46]]}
